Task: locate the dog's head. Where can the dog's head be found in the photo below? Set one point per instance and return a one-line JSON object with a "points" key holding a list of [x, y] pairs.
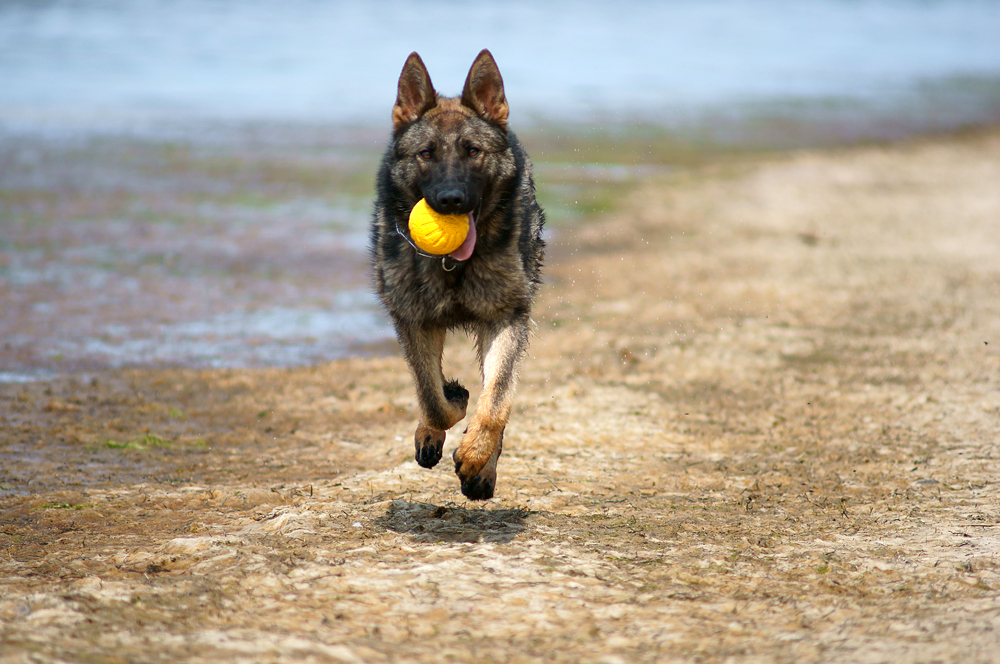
{"points": [[451, 147]]}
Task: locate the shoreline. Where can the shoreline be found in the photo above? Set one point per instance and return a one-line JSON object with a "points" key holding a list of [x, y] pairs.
{"points": [[205, 246]]}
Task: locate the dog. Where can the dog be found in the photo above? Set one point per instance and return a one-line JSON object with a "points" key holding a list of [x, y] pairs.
{"points": [[459, 155]]}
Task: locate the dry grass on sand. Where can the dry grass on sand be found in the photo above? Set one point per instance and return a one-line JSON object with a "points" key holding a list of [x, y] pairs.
{"points": [[759, 423]]}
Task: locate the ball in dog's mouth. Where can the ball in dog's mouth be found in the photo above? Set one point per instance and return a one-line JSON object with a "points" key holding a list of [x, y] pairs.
{"points": [[442, 234]]}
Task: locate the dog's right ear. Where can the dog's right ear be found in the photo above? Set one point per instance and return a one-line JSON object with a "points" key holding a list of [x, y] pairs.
{"points": [[483, 91], [416, 94]]}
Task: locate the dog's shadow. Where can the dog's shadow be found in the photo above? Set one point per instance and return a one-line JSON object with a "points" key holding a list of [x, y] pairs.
{"points": [[436, 523]]}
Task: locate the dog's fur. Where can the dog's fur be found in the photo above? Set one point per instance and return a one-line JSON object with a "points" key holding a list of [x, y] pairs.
{"points": [[459, 155]]}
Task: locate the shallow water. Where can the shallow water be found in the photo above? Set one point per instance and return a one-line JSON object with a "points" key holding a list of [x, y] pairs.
{"points": [[120, 253], [109, 63], [188, 182]]}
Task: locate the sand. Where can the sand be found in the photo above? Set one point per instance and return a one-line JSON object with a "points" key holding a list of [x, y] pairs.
{"points": [[759, 423]]}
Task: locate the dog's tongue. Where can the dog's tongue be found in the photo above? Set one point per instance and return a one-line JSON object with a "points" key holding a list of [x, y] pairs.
{"points": [[464, 252]]}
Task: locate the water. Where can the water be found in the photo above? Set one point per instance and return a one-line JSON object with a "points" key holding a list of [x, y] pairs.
{"points": [[189, 181], [146, 61], [119, 252]]}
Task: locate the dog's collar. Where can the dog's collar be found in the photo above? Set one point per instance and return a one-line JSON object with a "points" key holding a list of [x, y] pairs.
{"points": [[447, 261], [444, 259]]}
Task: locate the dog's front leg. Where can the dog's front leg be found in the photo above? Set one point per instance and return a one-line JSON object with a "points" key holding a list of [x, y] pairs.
{"points": [[441, 404], [501, 348]]}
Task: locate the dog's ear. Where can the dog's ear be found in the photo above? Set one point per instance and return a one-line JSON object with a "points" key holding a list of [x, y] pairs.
{"points": [[483, 90], [416, 94]]}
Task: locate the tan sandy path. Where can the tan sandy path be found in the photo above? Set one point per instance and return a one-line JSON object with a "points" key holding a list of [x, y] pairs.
{"points": [[760, 423]]}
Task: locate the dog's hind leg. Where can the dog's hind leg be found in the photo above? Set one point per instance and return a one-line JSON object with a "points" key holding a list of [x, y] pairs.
{"points": [[501, 348], [441, 404]]}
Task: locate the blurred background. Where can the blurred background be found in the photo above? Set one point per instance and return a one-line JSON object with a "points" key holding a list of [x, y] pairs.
{"points": [[115, 64], [189, 181]]}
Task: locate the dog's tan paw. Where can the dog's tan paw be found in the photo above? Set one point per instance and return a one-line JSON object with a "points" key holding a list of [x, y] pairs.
{"points": [[476, 463]]}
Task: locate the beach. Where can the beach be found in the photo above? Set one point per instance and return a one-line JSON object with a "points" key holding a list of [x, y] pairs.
{"points": [[758, 422]]}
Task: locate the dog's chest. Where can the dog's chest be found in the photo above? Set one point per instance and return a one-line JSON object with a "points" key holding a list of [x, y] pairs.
{"points": [[481, 290]]}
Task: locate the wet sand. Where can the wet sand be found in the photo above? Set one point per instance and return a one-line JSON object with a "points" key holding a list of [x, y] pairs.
{"points": [[759, 422], [128, 251]]}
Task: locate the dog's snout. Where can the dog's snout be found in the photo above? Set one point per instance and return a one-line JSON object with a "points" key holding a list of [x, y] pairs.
{"points": [[450, 201]]}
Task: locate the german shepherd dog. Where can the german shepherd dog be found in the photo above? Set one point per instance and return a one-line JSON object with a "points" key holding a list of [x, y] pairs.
{"points": [[458, 154]]}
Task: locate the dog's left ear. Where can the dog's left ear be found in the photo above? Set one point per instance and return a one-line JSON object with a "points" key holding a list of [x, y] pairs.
{"points": [[483, 90], [416, 93]]}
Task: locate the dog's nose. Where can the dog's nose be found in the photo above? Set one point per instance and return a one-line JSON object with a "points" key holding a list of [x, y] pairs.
{"points": [[450, 201]]}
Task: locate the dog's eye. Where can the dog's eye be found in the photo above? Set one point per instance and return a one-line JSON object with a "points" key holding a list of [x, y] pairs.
{"points": [[474, 152], [425, 155]]}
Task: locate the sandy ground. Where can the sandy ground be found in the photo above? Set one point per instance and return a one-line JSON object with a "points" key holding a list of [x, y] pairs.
{"points": [[759, 423]]}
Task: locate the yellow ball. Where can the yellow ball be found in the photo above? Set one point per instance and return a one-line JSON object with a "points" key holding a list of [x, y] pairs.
{"points": [[435, 233]]}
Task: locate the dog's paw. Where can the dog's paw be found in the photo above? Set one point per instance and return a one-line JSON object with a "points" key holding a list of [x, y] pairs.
{"points": [[479, 487], [478, 479], [429, 444], [457, 398]]}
